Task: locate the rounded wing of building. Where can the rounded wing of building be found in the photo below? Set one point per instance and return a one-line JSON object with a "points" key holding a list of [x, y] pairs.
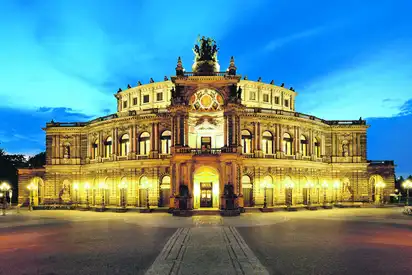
{"points": [[205, 136]]}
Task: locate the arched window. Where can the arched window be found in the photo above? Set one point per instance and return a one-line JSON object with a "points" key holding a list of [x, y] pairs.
{"points": [[124, 145], [303, 145], [108, 149], [165, 140], [246, 141], [95, 149], [316, 144], [144, 142], [287, 144], [267, 142]]}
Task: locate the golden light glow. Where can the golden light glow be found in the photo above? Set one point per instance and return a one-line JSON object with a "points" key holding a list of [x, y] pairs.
{"points": [[5, 186], [31, 186], [86, 186], [123, 185], [76, 186], [325, 184], [289, 184], [380, 184], [336, 184], [309, 184], [407, 184]]}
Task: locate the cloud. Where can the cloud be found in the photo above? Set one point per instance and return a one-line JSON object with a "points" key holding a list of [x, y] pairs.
{"points": [[376, 85], [280, 42]]}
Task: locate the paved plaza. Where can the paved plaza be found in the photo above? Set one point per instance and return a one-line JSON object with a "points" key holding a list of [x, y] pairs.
{"points": [[338, 241]]}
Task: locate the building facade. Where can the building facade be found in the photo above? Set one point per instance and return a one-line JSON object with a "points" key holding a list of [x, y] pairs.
{"points": [[205, 129]]}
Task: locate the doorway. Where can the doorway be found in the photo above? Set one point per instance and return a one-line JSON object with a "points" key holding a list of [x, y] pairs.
{"points": [[206, 194]]}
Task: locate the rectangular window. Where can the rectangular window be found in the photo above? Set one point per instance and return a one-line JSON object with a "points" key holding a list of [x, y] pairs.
{"points": [[124, 104], [135, 101], [252, 96], [159, 96], [146, 99], [276, 100], [286, 103], [265, 97]]}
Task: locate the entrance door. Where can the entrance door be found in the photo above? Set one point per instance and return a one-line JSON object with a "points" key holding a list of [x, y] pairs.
{"points": [[205, 194], [247, 197]]}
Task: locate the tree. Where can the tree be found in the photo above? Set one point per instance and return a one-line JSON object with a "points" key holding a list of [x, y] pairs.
{"points": [[37, 161]]}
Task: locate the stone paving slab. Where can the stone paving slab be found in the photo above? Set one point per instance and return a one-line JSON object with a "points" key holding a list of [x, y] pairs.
{"points": [[206, 250]]}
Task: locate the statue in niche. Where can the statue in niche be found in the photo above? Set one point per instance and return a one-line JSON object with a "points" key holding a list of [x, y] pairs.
{"points": [[345, 149], [66, 153]]}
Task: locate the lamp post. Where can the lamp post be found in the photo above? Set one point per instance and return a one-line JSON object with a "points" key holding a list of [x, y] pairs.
{"points": [[265, 185], [289, 189], [87, 187], [380, 186], [31, 188], [103, 188], [4, 188], [407, 184], [122, 187], [76, 190], [336, 186], [325, 186], [10, 196]]}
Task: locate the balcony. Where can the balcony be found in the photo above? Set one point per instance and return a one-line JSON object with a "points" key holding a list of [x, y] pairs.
{"points": [[212, 151]]}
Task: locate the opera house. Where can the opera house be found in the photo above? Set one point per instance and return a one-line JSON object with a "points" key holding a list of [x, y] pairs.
{"points": [[206, 129]]}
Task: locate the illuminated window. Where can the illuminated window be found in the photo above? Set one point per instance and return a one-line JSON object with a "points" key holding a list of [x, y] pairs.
{"points": [[165, 140], [252, 96], [146, 99], [159, 96], [135, 101], [144, 142], [286, 103], [267, 142], [316, 144], [276, 100], [124, 104], [246, 141], [95, 149], [108, 149], [303, 145], [124, 145], [287, 144], [265, 97]]}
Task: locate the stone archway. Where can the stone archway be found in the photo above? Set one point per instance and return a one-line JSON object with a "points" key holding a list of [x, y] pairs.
{"points": [[206, 187], [373, 190], [164, 192]]}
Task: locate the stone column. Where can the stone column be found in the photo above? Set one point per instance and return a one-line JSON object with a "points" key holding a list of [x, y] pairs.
{"points": [[186, 131], [225, 130], [190, 185], [278, 138]]}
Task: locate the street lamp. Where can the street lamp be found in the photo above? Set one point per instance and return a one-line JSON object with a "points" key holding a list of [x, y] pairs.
{"points": [[380, 185], [309, 185], [123, 187], [87, 187], [146, 185], [31, 188], [103, 187], [265, 186], [407, 184], [336, 186], [76, 190], [325, 187], [4, 187], [289, 188]]}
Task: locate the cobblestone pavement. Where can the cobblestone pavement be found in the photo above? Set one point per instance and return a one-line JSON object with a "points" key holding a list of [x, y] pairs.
{"points": [[339, 241]]}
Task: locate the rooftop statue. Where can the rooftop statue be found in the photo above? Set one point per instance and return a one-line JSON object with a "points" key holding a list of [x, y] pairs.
{"points": [[206, 49], [205, 57]]}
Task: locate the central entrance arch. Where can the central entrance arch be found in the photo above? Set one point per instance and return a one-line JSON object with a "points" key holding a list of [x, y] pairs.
{"points": [[206, 187]]}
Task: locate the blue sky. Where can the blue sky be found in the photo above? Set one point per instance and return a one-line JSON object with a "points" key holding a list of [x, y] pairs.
{"points": [[64, 60]]}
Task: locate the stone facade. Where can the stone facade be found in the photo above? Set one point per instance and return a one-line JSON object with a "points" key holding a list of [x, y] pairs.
{"points": [[207, 127]]}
